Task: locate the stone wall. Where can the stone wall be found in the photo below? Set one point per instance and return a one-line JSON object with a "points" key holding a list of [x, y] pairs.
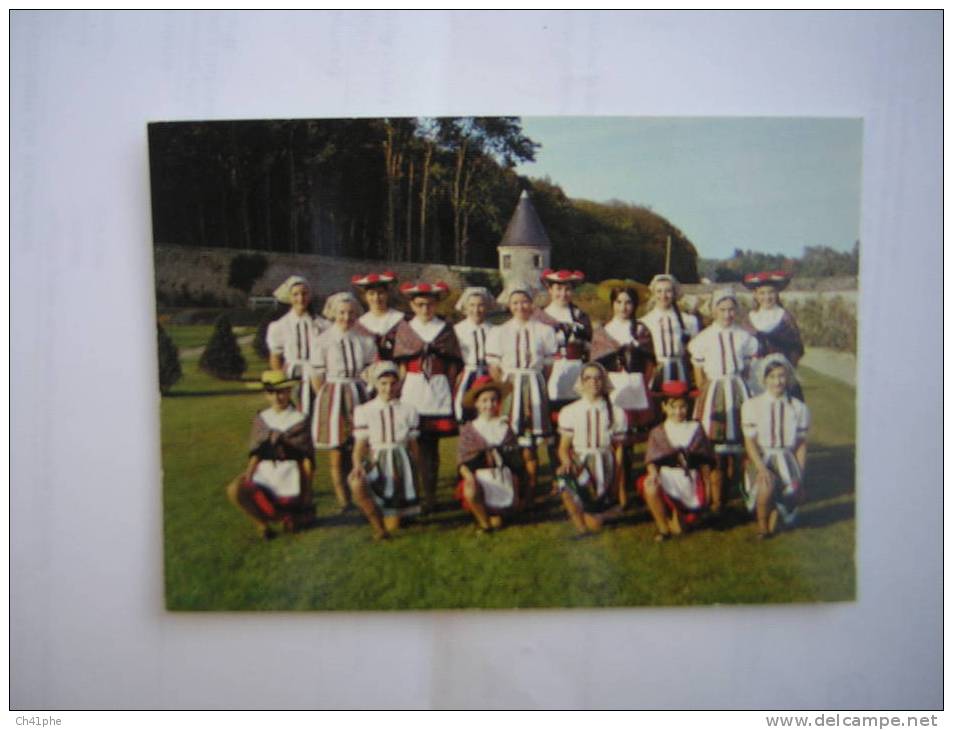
{"points": [[204, 271]]}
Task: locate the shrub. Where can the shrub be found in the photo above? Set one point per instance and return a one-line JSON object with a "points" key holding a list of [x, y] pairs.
{"points": [[170, 369], [245, 269], [489, 279], [826, 322], [222, 357]]}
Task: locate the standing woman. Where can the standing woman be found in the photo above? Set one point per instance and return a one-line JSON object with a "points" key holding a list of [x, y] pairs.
{"points": [[521, 352], [289, 338], [573, 335], [671, 332], [722, 356], [472, 334], [624, 347], [773, 325], [339, 357], [427, 351], [591, 434], [380, 320]]}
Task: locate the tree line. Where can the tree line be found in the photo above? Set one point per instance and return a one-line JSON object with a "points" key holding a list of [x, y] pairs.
{"points": [[399, 189], [814, 262]]}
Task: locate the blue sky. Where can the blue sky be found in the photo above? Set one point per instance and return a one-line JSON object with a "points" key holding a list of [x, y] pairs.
{"points": [[768, 184]]}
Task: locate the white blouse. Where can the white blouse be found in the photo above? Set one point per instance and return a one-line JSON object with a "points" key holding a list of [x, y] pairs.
{"points": [[516, 345], [667, 332], [590, 425], [723, 351], [380, 324], [680, 435], [473, 341], [292, 336], [281, 420], [765, 320], [386, 424], [342, 355], [775, 423]]}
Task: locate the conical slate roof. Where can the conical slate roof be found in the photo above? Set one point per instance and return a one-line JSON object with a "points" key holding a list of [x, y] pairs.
{"points": [[525, 228]]}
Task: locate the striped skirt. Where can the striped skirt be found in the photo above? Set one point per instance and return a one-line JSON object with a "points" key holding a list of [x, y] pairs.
{"points": [[528, 407], [391, 481], [469, 374], [594, 482], [718, 408], [669, 368], [787, 473], [333, 416]]}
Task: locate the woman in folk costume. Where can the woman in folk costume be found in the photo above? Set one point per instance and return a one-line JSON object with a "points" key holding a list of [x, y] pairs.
{"points": [[624, 347], [773, 325], [671, 331], [290, 337], [472, 334], [339, 357], [775, 427], [386, 457], [573, 334], [678, 462], [722, 355], [380, 320], [521, 352], [427, 351], [488, 457], [276, 484], [591, 435]]}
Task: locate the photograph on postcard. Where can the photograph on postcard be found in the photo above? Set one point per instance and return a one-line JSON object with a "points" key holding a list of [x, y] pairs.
{"points": [[506, 362]]}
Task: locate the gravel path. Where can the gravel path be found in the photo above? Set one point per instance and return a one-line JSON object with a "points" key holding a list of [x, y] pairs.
{"points": [[839, 365]]}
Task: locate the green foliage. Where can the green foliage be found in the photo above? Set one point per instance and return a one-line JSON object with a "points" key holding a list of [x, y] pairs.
{"points": [[826, 322], [611, 240], [170, 369], [222, 357], [815, 261], [245, 269], [489, 279]]}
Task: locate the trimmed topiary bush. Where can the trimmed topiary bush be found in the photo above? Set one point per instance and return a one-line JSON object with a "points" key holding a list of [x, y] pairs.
{"points": [[170, 369], [222, 357]]}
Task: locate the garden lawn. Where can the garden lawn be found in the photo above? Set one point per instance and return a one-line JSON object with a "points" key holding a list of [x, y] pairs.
{"points": [[214, 561]]}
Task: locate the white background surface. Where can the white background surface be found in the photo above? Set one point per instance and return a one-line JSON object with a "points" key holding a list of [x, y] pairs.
{"points": [[88, 628]]}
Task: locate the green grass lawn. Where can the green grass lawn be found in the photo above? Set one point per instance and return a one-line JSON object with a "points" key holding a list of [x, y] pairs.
{"points": [[187, 336], [213, 561]]}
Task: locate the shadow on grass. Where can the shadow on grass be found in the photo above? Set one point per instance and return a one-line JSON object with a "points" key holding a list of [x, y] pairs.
{"points": [[830, 472], [825, 515]]}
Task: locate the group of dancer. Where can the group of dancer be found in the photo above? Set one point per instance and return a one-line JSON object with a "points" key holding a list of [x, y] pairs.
{"points": [[717, 407]]}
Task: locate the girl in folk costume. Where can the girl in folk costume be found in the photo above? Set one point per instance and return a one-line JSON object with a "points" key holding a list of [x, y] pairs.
{"points": [[488, 457], [775, 427], [573, 334], [428, 353], [624, 346], [592, 432], [671, 331], [521, 352], [773, 325], [722, 356], [276, 484], [472, 334], [678, 459], [289, 338], [380, 320], [386, 457], [339, 357]]}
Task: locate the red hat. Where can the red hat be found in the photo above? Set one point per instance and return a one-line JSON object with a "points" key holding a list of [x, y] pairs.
{"points": [[437, 291], [371, 280], [676, 389], [778, 279], [483, 384], [563, 276]]}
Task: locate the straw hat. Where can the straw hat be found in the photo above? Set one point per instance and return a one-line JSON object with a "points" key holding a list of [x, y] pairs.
{"points": [[273, 380], [483, 384]]}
